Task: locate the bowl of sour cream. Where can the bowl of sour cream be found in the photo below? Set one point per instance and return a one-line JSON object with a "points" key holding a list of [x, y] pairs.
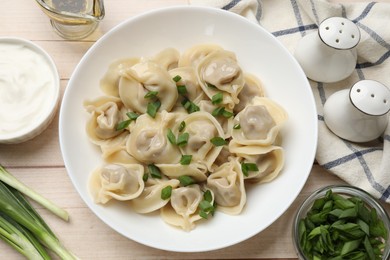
{"points": [[29, 90]]}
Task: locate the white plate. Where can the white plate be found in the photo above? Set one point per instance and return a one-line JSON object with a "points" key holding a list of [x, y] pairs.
{"points": [[258, 52]]}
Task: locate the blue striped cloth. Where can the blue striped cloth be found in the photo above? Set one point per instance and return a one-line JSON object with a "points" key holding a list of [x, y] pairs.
{"points": [[365, 165]]}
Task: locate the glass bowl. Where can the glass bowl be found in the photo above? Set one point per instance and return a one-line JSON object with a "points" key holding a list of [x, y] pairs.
{"points": [[344, 191]]}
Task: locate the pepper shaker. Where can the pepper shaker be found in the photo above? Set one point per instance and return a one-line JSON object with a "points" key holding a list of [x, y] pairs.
{"points": [[358, 114], [329, 55]]}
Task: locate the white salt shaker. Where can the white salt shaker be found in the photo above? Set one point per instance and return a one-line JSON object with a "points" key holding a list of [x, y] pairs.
{"points": [[329, 55], [358, 114]]}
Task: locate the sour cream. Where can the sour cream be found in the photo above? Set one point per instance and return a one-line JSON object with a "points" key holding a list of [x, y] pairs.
{"points": [[28, 87]]}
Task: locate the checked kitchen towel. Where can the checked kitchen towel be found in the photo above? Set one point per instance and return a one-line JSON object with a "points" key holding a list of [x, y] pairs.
{"points": [[365, 165]]}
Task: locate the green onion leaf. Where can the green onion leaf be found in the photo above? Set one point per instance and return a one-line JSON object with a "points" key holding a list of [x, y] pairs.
{"points": [[123, 125], [176, 78], [171, 137], [182, 89], [237, 126], [247, 167], [154, 171], [166, 192], [217, 98], [186, 180], [182, 139], [207, 196], [218, 111], [152, 108], [151, 94], [203, 214], [185, 159], [145, 177], [205, 206], [211, 85], [182, 126], [132, 115], [218, 141], [190, 106], [227, 114]]}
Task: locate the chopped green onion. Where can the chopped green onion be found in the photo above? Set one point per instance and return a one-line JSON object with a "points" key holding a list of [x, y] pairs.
{"points": [[218, 141], [217, 98], [186, 180], [185, 159], [171, 137], [152, 108], [248, 167], [176, 78], [132, 115], [145, 177], [218, 111], [123, 124], [190, 106], [203, 214], [151, 94], [182, 139], [182, 126], [207, 196], [154, 171], [205, 206], [182, 89], [237, 126], [340, 227], [166, 192], [227, 114], [210, 85]]}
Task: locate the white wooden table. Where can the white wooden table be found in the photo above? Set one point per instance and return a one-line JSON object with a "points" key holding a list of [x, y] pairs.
{"points": [[39, 164]]}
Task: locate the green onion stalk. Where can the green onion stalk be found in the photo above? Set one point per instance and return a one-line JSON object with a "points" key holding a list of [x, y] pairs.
{"points": [[9, 179], [21, 239], [21, 226]]}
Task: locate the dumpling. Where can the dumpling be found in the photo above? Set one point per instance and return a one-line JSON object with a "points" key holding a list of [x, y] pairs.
{"points": [[219, 72], [115, 181], [144, 77], [252, 88], [114, 150], [110, 81], [193, 55], [183, 207], [198, 171], [223, 157], [168, 58], [202, 127], [150, 199], [188, 79], [106, 112], [268, 159], [225, 122], [148, 140], [227, 184], [259, 122]]}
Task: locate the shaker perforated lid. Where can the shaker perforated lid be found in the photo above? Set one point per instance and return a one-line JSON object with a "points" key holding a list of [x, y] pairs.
{"points": [[339, 33], [370, 97]]}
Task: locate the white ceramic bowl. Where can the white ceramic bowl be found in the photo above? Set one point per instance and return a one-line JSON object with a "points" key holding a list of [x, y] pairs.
{"points": [[30, 89], [259, 53]]}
